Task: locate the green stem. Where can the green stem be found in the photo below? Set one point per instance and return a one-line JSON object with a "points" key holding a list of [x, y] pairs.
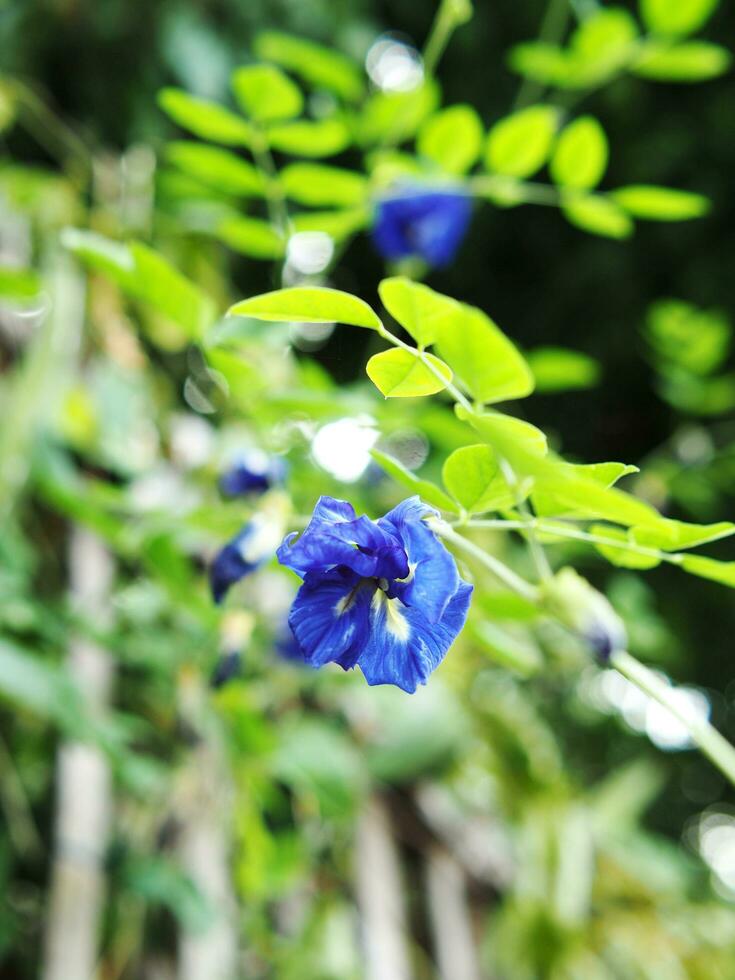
{"points": [[450, 15], [448, 385], [494, 565], [274, 197], [551, 31], [717, 749]]}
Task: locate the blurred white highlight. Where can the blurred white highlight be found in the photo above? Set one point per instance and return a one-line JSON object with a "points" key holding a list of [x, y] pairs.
{"points": [[342, 448]]}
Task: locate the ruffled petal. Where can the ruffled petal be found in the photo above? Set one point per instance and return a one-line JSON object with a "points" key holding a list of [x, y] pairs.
{"points": [[433, 577], [404, 647], [331, 622], [334, 536]]}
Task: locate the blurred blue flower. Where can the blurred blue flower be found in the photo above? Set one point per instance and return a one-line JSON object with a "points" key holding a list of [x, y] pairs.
{"points": [[226, 669], [413, 221], [382, 595], [252, 545], [252, 471]]}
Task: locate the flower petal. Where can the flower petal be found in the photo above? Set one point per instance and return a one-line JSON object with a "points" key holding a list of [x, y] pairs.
{"points": [[404, 647], [331, 622], [433, 578], [334, 537]]}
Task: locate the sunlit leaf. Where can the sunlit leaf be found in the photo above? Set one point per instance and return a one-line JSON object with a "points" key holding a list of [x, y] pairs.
{"points": [[670, 535], [418, 308], [519, 145], [428, 491], [472, 476], [580, 155], [318, 65], [606, 39], [547, 503], [696, 340], [207, 120], [17, 283], [621, 550], [219, 168], [676, 17], [265, 94], [518, 441], [690, 61], [559, 369], [338, 224], [146, 275], [597, 215], [308, 304], [317, 185], [251, 236], [717, 571], [660, 203], [452, 138], [397, 373], [392, 117], [307, 138], [487, 363]]}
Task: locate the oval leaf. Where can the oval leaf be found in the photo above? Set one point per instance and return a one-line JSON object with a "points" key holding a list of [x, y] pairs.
{"points": [[207, 120], [660, 203], [488, 364], [265, 94], [519, 145], [676, 17], [217, 168], [598, 215], [418, 308], [308, 304], [580, 155], [398, 373], [316, 185], [452, 138], [472, 476]]}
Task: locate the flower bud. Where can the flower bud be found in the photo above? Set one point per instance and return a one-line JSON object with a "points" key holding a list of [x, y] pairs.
{"points": [[574, 603]]}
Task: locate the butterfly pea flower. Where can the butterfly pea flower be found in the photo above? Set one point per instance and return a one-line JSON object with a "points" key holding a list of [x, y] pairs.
{"points": [[384, 595], [253, 545], [415, 221], [586, 612], [252, 471]]}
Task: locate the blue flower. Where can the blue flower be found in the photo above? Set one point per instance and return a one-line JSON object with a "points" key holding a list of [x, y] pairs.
{"points": [[252, 471], [226, 669], [431, 224], [254, 543], [382, 595]]}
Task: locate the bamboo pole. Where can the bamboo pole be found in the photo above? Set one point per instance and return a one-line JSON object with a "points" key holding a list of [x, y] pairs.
{"points": [[449, 913], [380, 896], [83, 785]]}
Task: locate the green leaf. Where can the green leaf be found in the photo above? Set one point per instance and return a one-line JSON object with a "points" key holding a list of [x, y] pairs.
{"points": [[452, 138], [717, 571], [419, 309], [31, 683], [547, 503], [428, 491], [265, 94], [398, 373], [692, 61], [472, 476], [339, 224], [18, 283], [597, 215], [392, 117], [619, 552], [487, 363], [519, 144], [308, 304], [316, 185], [676, 18], [304, 138], [251, 236], [660, 203], [207, 120], [547, 64], [574, 491], [146, 275], [670, 535], [218, 168], [559, 369], [605, 40], [697, 340], [521, 443], [320, 66], [580, 155]]}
